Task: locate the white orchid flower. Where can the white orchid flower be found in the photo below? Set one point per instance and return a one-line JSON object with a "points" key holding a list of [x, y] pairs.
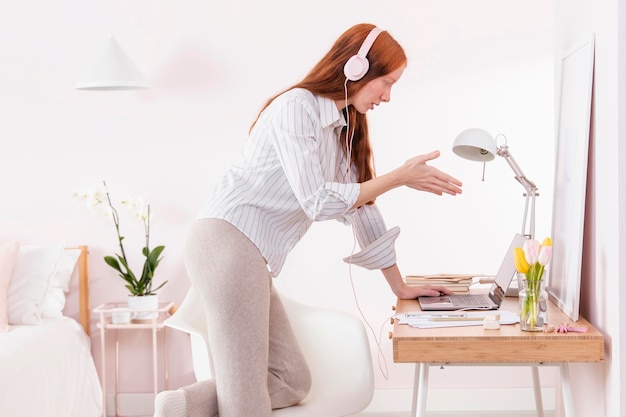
{"points": [[95, 199], [137, 207]]}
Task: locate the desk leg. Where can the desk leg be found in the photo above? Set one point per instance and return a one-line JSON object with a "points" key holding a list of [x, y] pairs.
{"points": [[537, 388], [568, 400], [420, 389]]}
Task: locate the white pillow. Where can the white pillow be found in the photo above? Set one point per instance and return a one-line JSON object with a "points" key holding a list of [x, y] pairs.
{"points": [[8, 255], [54, 299], [34, 267]]}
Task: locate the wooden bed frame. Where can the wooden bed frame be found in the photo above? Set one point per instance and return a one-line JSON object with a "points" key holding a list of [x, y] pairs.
{"points": [[83, 288]]}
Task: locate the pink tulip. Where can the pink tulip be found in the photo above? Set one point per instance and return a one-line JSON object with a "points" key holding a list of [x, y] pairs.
{"points": [[531, 250], [545, 255]]}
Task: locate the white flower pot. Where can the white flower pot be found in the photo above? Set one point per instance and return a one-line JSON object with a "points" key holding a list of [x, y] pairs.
{"points": [[145, 306]]}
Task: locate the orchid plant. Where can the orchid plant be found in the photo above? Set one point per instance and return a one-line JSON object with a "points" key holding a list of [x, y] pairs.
{"points": [[531, 260], [99, 201]]}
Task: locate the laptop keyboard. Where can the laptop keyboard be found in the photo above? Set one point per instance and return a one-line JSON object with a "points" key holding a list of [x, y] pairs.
{"points": [[470, 300]]}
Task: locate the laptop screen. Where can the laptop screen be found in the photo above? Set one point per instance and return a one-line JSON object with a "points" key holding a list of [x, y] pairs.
{"points": [[507, 270]]}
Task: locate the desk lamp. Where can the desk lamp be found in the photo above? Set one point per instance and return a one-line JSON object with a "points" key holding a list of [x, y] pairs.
{"points": [[478, 145]]}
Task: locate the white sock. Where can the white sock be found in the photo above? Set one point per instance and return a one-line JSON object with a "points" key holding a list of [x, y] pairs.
{"points": [[171, 404]]}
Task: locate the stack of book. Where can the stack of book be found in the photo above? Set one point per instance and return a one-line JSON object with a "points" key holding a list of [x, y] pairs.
{"points": [[457, 283]]}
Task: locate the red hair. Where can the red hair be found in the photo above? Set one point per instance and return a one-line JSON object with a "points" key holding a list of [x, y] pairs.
{"points": [[327, 79]]}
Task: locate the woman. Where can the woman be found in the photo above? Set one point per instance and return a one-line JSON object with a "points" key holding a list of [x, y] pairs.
{"points": [[308, 158]]}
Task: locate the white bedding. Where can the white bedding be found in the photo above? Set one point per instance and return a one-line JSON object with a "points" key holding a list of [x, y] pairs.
{"points": [[48, 371]]}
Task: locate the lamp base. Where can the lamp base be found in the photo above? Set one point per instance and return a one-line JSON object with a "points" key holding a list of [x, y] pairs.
{"points": [[513, 290]]}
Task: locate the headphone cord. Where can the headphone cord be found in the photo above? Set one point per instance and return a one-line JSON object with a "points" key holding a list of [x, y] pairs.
{"points": [[382, 361], [348, 141]]}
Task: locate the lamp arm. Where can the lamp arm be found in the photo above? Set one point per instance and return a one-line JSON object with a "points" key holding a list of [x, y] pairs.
{"points": [[529, 186]]}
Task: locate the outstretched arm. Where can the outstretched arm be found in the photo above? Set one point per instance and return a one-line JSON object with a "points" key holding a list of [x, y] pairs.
{"points": [[414, 173]]}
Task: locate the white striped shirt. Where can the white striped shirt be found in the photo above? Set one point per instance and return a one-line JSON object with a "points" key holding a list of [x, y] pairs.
{"points": [[292, 172]]}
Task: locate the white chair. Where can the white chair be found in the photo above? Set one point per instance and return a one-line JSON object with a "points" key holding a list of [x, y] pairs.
{"points": [[335, 345]]}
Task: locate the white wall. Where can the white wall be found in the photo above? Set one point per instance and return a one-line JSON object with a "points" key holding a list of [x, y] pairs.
{"points": [[602, 290], [485, 63]]}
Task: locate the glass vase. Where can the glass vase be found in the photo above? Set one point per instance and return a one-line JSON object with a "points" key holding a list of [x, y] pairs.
{"points": [[533, 303]]}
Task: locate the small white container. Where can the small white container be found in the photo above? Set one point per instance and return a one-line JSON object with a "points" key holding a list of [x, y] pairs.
{"points": [[122, 316]]}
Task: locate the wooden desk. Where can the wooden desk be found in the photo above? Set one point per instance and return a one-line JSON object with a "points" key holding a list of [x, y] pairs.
{"points": [[472, 345]]}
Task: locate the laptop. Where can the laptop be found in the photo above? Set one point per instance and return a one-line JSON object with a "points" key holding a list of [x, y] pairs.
{"points": [[487, 301]]}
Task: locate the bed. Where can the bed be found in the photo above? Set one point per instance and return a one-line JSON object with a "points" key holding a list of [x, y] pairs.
{"points": [[46, 366]]}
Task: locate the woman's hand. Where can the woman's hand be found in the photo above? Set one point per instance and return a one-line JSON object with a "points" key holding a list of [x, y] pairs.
{"points": [[416, 174], [413, 173], [410, 292]]}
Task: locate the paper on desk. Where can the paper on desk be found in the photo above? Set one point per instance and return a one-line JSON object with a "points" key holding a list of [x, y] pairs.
{"points": [[425, 320]]}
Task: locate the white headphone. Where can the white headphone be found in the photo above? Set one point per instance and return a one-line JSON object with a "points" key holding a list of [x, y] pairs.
{"points": [[356, 67]]}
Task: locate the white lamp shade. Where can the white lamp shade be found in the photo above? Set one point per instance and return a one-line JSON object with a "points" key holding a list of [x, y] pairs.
{"points": [[112, 70], [475, 145]]}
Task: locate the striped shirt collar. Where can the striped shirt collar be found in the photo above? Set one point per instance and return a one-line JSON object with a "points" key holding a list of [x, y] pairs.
{"points": [[329, 113]]}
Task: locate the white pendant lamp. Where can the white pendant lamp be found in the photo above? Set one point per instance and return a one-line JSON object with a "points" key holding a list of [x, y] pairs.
{"points": [[112, 70]]}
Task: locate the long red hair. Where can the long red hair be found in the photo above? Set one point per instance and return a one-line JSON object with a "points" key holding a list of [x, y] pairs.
{"points": [[327, 79]]}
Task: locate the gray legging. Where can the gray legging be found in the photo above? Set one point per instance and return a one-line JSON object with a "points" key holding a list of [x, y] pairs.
{"points": [[258, 363]]}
